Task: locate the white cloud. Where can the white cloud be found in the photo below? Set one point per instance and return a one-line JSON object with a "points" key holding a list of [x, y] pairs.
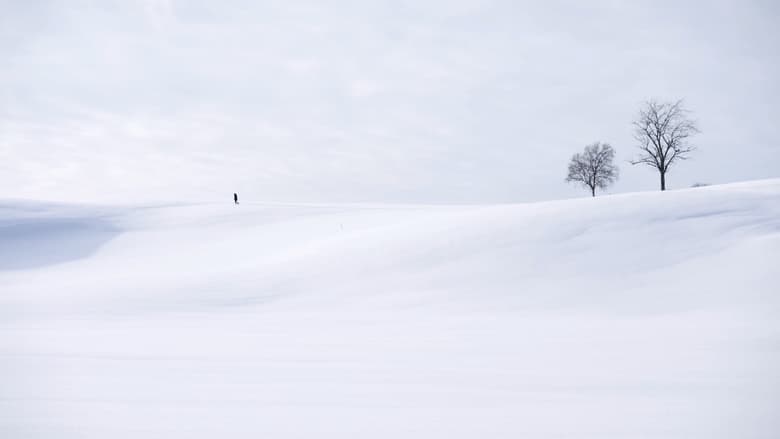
{"points": [[387, 101]]}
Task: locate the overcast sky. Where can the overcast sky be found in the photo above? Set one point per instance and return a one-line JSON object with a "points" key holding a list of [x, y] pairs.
{"points": [[437, 101]]}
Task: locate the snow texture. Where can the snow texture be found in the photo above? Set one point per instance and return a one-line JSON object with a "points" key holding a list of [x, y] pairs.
{"points": [[649, 315]]}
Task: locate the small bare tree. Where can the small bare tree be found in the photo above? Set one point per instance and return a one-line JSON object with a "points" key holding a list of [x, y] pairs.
{"points": [[593, 167], [663, 130]]}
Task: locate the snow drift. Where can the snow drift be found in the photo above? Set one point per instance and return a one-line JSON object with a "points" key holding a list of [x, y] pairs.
{"points": [[640, 315]]}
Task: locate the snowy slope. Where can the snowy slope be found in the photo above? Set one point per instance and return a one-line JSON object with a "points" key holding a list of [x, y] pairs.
{"points": [[652, 315]]}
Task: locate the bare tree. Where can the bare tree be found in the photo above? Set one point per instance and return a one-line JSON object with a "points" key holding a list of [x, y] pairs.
{"points": [[593, 167], [662, 130]]}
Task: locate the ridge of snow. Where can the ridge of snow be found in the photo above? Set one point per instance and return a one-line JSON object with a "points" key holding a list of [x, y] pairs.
{"points": [[636, 315]]}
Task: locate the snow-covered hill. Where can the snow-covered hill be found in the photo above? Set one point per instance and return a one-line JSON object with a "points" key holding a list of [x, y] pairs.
{"points": [[651, 315]]}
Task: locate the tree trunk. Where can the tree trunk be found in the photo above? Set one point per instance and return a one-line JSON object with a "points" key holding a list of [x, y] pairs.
{"points": [[663, 180], [593, 191]]}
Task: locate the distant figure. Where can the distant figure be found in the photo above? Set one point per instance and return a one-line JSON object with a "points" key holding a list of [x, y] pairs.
{"points": [[235, 197]]}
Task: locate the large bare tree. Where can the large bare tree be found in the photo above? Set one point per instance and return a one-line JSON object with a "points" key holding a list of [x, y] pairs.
{"points": [[593, 168], [663, 130]]}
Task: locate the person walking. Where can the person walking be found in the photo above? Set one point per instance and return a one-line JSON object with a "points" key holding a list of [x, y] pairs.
{"points": [[235, 197]]}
